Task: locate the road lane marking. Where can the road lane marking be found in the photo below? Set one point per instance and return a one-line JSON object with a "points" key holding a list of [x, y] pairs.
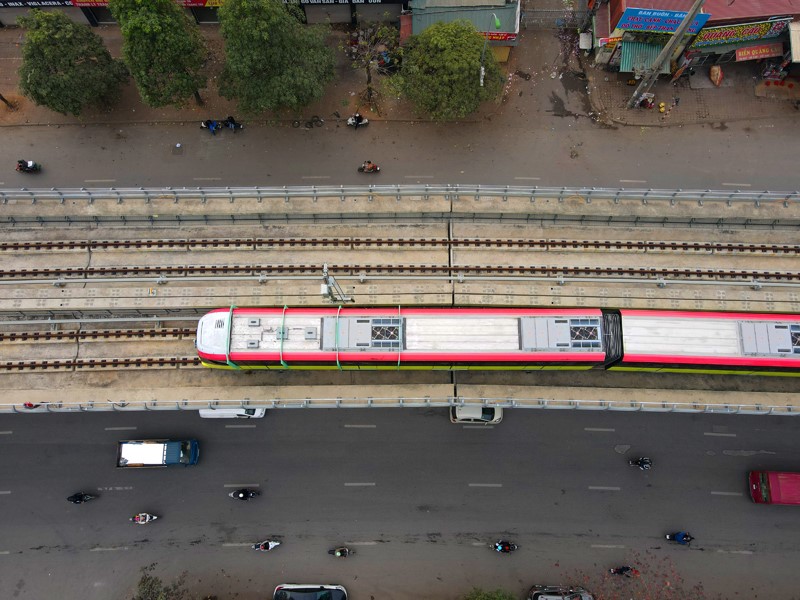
{"points": [[99, 180], [633, 180], [739, 184], [236, 545], [357, 426], [119, 429], [488, 485], [602, 488], [240, 485], [606, 546], [359, 484], [240, 426], [4, 552], [608, 429], [734, 552], [5, 492], [206, 178], [528, 178], [9, 432], [362, 543], [727, 494], [477, 426], [111, 549], [714, 434], [315, 177], [418, 176]]}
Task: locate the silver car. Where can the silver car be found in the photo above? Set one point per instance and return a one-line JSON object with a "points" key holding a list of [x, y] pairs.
{"points": [[558, 592]]}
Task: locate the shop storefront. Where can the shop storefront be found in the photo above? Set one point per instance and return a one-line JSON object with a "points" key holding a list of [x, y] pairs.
{"points": [[352, 11], [739, 43]]}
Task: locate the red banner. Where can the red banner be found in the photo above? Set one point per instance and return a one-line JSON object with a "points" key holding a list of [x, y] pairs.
{"points": [[762, 51], [187, 3]]}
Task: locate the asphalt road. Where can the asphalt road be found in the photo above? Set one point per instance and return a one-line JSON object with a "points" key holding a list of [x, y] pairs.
{"points": [[561, 151], [419, 499]]}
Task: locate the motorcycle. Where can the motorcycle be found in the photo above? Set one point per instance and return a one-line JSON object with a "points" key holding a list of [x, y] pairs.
{"points": [[143, 518], [244, 494], [504, 546], [369, 167], [357, 121], [680, 537], [232, 123], [266, 545], [643, 463], [341, 552], [624, 570], [80, 498], [28, 166], [211, 125]]}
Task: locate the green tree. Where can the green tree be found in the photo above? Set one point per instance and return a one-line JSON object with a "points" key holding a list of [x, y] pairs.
{"points": [[441, 72], [151, 587], [271, 60], [479, 594], [65, 66], [163, 50]]}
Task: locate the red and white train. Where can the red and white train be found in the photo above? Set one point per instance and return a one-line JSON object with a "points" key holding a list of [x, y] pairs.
{"points": [[501, 339]]}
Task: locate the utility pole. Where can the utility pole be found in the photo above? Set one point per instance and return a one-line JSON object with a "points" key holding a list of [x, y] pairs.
{"points": [[650, 76]]}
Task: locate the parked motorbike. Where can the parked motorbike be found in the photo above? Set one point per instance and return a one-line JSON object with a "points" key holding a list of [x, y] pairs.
{"points": [[369, 167], [233, 124], [341, 552], [28, 166], [244, 494], [680, 537], [643, 463], [143, 518], [266, 545], [210, 124], [624, 570], [80, 498], [504, 546], [357, 121]]}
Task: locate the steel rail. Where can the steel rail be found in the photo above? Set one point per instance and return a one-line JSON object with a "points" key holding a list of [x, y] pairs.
{"points": [[347, 242]]}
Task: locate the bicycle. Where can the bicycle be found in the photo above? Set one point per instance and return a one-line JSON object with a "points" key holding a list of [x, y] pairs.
{"points": [[315, 121]]}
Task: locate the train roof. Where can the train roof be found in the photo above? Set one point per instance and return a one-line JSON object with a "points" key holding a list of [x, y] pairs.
{"points": [[422, 333], [664, 333]]}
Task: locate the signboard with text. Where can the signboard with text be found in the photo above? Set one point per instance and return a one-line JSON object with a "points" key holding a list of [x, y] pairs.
{"points": [[499, 36], [664, 21], [757, 52], [735, 34], [33, 3]]}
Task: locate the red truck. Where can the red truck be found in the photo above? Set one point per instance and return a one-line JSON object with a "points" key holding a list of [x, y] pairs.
{"points": [[774, 487]]}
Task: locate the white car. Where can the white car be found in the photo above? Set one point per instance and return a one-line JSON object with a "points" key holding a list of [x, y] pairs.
{"points": [[309, 591], [232, 413], [475, 413], [558, 592]]}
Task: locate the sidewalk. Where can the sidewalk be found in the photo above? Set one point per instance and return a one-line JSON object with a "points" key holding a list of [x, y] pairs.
{"points": [[545, 69]]}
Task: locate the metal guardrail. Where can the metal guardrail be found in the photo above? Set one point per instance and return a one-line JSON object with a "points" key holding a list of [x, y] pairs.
{"points": [[449, 191], [418, 402]]}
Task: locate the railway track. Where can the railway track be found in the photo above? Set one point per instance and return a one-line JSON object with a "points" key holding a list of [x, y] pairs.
{"points": [[97, 364], [83, 274], [94, 335], [419, 243]]}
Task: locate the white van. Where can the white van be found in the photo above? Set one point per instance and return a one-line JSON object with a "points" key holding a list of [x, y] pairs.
{"points": [[232, 413]]}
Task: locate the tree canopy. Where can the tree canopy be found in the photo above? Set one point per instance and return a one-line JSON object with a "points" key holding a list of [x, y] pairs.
{"points": [[151, 587], [65, 65], [163, 50], [271, 60], [441, 71]]}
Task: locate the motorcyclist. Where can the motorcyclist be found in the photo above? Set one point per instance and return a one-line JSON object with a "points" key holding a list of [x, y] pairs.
{"points": [[26, 165], [341, 552], [683, 537], [644, 463], [77, 498], [357, 120], [243, 494], [369, 165], [503, 546]]}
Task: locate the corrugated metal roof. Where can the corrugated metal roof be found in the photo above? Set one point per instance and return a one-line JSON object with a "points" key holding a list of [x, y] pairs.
{"points": [[637, 57], [482, 18]]}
